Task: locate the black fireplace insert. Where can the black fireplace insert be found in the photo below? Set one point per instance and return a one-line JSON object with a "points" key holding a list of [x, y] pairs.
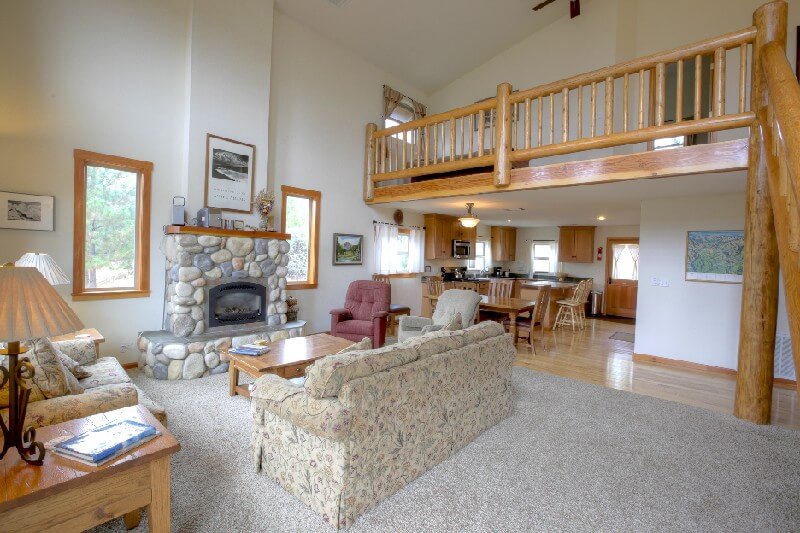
{"points": [[236, 303]]}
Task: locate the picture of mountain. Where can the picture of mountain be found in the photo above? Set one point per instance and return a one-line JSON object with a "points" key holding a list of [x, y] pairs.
{"points": [[229, 166], [25, 211]]}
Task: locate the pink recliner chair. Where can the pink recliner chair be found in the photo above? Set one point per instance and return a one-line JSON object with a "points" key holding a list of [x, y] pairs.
{"points": [[365, 312]]}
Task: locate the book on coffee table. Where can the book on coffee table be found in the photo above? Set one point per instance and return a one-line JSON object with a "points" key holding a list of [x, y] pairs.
{"points": [[106, 442], [250, 349]]}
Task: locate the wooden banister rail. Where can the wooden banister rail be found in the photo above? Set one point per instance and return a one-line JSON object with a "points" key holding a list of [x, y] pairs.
{"points": [[516, 127], [780, 129]]}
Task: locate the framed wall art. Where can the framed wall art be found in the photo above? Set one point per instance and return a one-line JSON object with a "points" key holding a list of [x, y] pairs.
{"points": [[230, 168], [715, 256], [347, 249], [26, 211]]}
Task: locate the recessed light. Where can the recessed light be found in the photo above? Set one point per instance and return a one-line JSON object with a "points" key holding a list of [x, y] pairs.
{"points": [[509, 220], [601, 217]]}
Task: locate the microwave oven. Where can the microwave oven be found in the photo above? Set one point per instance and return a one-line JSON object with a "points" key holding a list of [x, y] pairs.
{"points": [[462, 249]]}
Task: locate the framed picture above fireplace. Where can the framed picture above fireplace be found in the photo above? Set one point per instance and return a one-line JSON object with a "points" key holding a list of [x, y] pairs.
{"points": [[348, 249], [230, 166]]}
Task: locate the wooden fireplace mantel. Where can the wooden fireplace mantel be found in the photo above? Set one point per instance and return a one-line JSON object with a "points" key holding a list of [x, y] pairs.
{"points": [[219, 232]]}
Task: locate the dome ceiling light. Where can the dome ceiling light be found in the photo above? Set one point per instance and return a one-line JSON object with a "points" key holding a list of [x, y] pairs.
{"points": [[469, 220]]}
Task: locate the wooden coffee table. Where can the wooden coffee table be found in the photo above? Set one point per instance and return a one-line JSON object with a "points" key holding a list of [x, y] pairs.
{"points": [[65, 495], [287, 358]]}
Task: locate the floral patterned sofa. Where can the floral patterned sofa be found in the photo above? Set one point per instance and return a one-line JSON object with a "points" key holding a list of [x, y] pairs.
{"points": [[108, 387], [366, 423]]}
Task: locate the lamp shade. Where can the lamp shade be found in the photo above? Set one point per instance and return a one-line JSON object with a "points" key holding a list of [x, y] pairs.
{"points": [[46, 265], [30, 307]]}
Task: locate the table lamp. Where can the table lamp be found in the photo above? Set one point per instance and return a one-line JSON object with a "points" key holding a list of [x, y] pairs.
{"points": [[46, 265], [29, 308]]}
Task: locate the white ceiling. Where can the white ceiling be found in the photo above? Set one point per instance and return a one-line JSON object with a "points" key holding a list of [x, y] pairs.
{"points": [[427, 43], [619, 202]]}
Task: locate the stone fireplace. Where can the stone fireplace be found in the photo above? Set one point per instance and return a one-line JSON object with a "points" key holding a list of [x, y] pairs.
{"points": [[224, 288]]}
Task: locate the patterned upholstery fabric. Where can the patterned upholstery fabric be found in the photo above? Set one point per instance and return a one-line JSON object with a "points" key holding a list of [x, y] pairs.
{"points": [[451, 301], [363, 344], [394, 424], [91, 402], [327, 375], [70, 364], [105, 371], [365, 298], [82, 351], [482, 331], [50, 375]]}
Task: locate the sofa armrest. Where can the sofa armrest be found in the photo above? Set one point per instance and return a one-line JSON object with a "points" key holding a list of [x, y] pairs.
{"points": [[409, 323], [82, 351], [325, 417], [431, 327], [93, 401]]}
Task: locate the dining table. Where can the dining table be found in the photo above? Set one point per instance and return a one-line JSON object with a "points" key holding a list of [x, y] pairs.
{"points": [[512, 307]]}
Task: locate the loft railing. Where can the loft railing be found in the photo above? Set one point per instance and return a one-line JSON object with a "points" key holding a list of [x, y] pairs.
{"points": [[613, 106]]}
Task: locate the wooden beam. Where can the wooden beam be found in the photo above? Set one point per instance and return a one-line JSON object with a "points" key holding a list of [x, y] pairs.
{"points": [[753, 399], [704, 158]]}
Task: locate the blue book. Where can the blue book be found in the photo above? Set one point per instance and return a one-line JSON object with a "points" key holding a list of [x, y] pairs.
{"points": [[97, 445]]}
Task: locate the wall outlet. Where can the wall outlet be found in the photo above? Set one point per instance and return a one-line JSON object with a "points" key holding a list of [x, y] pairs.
{"points": [[123, 348], [665, 283], [655, 282]]}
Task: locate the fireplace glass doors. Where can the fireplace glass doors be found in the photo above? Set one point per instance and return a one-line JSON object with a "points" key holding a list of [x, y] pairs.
{"points": [[236, 303]]}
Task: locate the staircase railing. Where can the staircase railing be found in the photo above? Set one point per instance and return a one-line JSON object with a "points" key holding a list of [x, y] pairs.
{"points": [[613, 106], [779, 122]]}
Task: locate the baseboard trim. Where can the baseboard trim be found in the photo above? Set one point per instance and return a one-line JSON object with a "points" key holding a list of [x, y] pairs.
{"points": [[699, 367], [130, 366]]}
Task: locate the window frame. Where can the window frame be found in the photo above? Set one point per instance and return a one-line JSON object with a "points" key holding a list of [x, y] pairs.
{"points": [[471, 264], [315, 199], [553, 260], [144, 170]]}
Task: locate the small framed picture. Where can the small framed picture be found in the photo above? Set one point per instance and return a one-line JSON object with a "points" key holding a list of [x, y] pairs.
{"points": [[26, 211], [347, 249], [230, 167]]}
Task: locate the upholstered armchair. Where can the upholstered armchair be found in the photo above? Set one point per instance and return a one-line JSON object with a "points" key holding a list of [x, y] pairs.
{"points": [[449, 303], [364, 314]]}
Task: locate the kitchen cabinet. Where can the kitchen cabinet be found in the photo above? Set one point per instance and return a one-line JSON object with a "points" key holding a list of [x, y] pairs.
{"points": [[576, 244], [504, 243], [440, 231]]}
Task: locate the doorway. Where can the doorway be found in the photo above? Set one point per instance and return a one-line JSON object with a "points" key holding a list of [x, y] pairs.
{"points": [[622, 275]]}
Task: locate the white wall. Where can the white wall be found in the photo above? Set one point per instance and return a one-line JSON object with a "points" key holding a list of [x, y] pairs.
{"points": [[689, 320], [321, 99], [107, 76]]}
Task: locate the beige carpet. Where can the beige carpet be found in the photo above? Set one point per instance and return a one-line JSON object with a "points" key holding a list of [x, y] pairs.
{"points": [[572, 456]]}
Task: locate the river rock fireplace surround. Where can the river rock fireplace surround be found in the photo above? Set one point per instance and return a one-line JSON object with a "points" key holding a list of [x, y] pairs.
{"points": [[224, 288]]}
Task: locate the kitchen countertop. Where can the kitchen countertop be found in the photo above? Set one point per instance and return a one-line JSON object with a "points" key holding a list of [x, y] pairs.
{"points": [[554, 284]]}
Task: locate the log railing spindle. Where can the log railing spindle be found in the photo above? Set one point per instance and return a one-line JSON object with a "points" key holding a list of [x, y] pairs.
{"points": [[641, 99], [527, 127], [540, 110], [580, 111], [660, 94], [742, 77], [679, 98], [609, 118], [565, 115], [593, 108], [481, 131], [719, 82], [552, 118], [625, 88]]}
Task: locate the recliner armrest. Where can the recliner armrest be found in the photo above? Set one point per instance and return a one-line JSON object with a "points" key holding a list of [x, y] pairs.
{"points": [[380, 314], [341, 312]]}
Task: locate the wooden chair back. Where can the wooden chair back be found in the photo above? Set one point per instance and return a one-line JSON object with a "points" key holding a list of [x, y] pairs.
{"points": [[435, 287], [501, 288], [383, 278], [542, 301], [578, 293], [464, 286]]}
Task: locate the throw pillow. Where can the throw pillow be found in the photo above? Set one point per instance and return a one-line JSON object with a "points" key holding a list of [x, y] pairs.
{"points": [[50, 376], [70, 364], [363, 344], [455, 323]]}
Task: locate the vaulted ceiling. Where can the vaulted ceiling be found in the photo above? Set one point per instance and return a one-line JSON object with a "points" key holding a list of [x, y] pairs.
{"points": [[428, 43]]}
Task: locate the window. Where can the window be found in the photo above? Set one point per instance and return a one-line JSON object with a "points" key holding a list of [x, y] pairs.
{"points": [[669, 142], [625, 261], [112, 227], [403, 249], [544, 256], [481, 260], [300, 218], [398, 252]]}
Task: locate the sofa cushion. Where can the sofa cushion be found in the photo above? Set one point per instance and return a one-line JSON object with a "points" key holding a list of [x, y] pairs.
{"points": [[105, 371], [355, 327], [327, 375], [363, 344], [482, 331], [435, 342]]}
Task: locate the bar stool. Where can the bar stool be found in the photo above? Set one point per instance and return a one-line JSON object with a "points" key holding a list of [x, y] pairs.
{"points": [[395, 310], [569, 310]]}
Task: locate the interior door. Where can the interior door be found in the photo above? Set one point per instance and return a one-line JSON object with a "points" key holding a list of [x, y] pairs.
{"points": [[622, 274]]}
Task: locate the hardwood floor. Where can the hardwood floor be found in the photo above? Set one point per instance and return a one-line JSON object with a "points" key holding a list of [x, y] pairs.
{"points": [[591, 356]]}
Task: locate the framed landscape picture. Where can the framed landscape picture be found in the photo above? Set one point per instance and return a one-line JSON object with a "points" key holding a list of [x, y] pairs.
{"points": [[347, 249], [230, 166], [26, 211], [715, 256]]}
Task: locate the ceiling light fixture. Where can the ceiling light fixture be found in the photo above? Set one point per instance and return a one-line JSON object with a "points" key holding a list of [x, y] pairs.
{"points": [[469, 220], [601, 217]]}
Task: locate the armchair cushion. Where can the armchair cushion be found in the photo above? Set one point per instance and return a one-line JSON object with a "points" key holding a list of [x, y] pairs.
{"points": [[361, 328], [454, 301], [327, 375], [365, 298], [325, 417]]}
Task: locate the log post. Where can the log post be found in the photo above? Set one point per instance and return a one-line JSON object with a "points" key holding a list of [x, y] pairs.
{"points": [[754, 380], [502, 161], [369, 161]]}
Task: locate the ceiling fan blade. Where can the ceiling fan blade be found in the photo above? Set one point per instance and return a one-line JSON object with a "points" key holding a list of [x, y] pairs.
{"points": [[543, 4]]}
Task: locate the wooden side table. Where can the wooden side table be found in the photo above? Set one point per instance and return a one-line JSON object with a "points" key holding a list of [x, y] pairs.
{"points": [[66, 495], [92, 333]]}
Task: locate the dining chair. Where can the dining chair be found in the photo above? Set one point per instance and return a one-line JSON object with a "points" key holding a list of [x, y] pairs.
{"points": [[435, 288], [529, 323], [568, 309], [499, 289]]}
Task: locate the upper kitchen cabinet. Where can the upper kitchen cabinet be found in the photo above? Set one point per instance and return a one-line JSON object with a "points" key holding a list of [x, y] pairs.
{"points": [[504, 243], [441, 231], [576, 244]]}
